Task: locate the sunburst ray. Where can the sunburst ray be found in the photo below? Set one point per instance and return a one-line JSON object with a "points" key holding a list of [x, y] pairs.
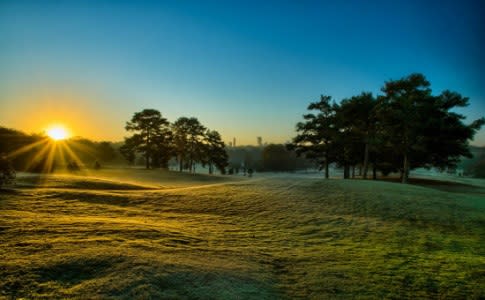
{"points": [[26, 148]]}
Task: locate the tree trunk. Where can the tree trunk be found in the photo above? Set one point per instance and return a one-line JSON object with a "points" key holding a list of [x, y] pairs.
{"points": [[353, 171], [147, 152], [326, 166], [374, 171], [366, 160], [181, 164], [405, 173], [155, 162]]}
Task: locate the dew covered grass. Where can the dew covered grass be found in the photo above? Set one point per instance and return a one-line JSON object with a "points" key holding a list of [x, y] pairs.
{"points": [[168, 235]]}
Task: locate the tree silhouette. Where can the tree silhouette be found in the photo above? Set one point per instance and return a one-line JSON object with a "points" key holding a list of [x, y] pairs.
{"points": [[105, 151], [355, 121], [215, 152], [163, 147], [277, 157], [403, 129], [401, 115], [7, 172], [445, 136], [149, 127], [188, 136], [316, 135], [128, 149], [420, 127]]}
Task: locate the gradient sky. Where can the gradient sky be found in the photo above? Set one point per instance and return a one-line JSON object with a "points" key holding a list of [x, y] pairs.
{"points": [[244, 68]]}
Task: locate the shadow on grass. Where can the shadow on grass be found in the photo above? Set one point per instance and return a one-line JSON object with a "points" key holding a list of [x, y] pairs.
{"points": [[131, 278], [441, 185], [47, 181], [9, 191], [75, 271], [93, 197]]}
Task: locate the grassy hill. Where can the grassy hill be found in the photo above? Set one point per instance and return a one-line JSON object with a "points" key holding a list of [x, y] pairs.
{"points": [[169, 235]]}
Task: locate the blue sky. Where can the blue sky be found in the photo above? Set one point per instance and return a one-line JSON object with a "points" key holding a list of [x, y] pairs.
{"points": [[244, 68]]}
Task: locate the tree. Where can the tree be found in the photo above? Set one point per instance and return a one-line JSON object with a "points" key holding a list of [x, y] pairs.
{"points": [[316, 135], [445, 136], [105, 151], [7, 172], [188, 136], [249, 156], [163, 149], [128, 149], [355, 120], [400, 113], [215, 152], [149, 128], [277, 157], [420, 127]]}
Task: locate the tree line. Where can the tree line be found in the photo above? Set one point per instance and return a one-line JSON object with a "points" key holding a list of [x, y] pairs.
{"points": [[186, 140], [36, 152], [268, 158], [406, 127]]}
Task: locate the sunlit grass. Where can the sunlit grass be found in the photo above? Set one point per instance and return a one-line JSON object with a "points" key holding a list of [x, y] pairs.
{"points": [[206, 237]]}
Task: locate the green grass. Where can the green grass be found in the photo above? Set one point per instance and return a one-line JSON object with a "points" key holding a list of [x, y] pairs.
{"points": [[182, 236]]}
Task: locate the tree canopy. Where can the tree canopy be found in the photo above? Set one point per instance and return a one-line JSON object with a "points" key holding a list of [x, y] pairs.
{"points": [[186, 140], [405, 128], [150, 135], [317, 133]]}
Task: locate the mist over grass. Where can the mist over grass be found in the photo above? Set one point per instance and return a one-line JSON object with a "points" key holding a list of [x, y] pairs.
{"points": [[153, 234]]}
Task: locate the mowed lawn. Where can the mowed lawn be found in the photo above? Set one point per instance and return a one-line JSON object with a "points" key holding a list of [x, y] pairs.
{"points": [[152, 234]]}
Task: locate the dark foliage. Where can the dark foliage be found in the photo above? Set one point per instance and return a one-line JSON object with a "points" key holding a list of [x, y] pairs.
{"points": [[7, 172], [186, 140], [404, 129]]}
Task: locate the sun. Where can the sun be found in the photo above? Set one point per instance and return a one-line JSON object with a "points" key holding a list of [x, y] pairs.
{"points": [[57, 132]]}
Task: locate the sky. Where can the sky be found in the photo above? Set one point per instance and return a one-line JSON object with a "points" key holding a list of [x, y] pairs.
{"points": [[243, 68]]}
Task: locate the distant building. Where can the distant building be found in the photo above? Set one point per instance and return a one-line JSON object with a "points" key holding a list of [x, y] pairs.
{"points": [[234, 142], [260, 141]]}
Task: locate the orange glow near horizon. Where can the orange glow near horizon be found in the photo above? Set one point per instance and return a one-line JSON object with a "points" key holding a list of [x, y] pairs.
{"points": [[52, 152], [81, 110]]}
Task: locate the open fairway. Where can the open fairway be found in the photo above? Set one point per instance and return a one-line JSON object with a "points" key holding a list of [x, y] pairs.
{"points": [[153, 234]]}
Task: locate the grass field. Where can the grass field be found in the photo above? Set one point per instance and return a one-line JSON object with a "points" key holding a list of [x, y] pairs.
{"points": [[152, 234]]}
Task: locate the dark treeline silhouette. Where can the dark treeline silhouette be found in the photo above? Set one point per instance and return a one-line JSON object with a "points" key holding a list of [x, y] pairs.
{"points": [[268, 158], [38, 153], [405, 128], [7, 172], [245, 156], [186, 140], [26, 148]]}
